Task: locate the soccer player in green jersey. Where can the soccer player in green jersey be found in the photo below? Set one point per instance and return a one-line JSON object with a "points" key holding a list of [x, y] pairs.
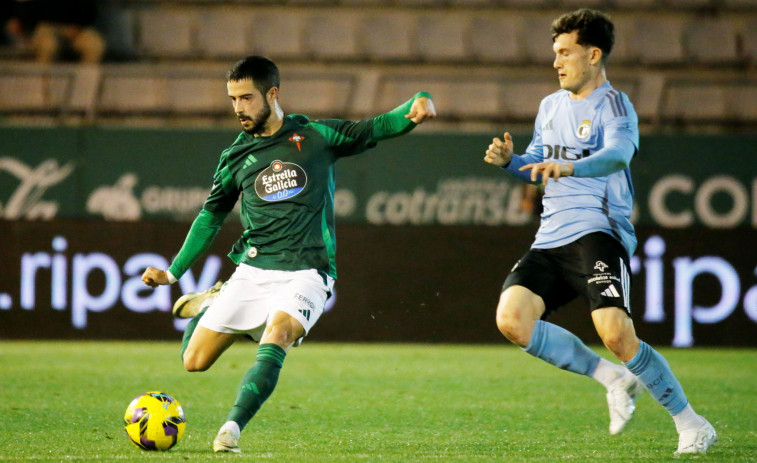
{"points": [[283, 169]]}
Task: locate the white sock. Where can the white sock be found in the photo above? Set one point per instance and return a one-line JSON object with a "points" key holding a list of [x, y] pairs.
{"points": [[687, 419], [608, 372]]}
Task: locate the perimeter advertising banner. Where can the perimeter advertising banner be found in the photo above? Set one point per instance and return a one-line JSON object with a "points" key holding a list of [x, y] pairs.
{"points": [[75, 279]]}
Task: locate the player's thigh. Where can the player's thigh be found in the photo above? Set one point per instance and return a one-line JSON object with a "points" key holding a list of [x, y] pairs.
{"points": [[519, 302], [242, 306], [539, 272], [301, 299], [205, 347], [283, 330]]}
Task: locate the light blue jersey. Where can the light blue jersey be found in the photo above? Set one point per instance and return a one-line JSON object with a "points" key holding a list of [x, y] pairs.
{"points": [[599, 135]]}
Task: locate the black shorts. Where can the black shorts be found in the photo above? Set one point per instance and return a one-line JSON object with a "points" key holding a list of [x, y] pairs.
{"points": [[594, 266]]}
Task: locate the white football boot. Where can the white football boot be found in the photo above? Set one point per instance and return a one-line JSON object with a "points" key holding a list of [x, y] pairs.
{"points": [[697, 439], [227, 439], [190, 304], [621, 400]]}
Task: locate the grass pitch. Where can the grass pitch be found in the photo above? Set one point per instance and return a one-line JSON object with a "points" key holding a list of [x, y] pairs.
{"points": [[64, 401]]}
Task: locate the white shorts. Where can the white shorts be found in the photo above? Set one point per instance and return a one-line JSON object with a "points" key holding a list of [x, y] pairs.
{"points": [[252, 295]]}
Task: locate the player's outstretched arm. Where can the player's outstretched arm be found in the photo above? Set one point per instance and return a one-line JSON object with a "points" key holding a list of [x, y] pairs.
{"points": [[404, 117], [500, 152], [421, 110]]}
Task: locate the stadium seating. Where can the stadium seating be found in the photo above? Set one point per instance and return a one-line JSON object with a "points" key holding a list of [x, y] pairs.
{"points": [[711, 41], [683, 63], [266, 37], [639, 5], [224, 33], [441, 36], [749, 42], [732, 101], [534, 48], [166, 33], [387, 36], [328, 36], [658, 40], [484, 30], [32, 92], [683, 101]]}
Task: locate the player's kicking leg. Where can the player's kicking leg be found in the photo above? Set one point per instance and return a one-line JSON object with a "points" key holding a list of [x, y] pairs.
{"points": [[193, 305], [519, 319], [615, 327]]}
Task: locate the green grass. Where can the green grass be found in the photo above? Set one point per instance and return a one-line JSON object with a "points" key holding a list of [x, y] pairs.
{"points": [[63, 401]]}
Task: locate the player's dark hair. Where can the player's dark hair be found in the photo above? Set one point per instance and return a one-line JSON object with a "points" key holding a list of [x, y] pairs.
{"points": [[594, 29], [263, 73]]}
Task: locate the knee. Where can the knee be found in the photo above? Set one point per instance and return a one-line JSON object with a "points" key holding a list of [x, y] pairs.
{"points": [[623, 346], [278, 334], [283, 330], [194, 362], [513, 326], [613, 341]]}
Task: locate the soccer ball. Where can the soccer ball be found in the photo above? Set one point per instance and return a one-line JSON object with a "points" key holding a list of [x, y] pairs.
{"points": [[154, 421]]}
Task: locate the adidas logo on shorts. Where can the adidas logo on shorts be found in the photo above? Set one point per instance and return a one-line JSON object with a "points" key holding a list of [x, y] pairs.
{"points": [[610, 292]]}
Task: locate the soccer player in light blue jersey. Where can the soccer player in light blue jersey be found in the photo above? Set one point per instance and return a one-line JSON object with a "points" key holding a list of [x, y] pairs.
{"points": [[585, 136]]}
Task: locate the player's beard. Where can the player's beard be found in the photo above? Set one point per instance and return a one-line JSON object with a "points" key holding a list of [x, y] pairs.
{"points": [[259, 120]]}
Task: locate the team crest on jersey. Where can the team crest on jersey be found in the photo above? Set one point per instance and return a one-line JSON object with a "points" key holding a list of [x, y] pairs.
{"points": [[297, 139], [280, 180], [584, 130]]}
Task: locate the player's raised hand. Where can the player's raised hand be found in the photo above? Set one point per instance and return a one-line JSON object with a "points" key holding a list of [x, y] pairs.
{"points": [[421, 110], [553, 170], [154, 277], [500, 152]]}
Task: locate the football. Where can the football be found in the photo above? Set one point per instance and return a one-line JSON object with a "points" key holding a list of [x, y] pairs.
{"points": [[154, 421]]}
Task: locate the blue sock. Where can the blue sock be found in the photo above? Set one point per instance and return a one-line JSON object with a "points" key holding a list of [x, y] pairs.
{"points": [[562, 349], [652, 369]]}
